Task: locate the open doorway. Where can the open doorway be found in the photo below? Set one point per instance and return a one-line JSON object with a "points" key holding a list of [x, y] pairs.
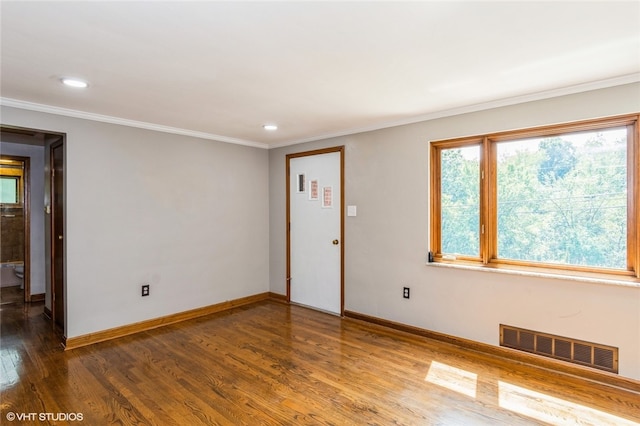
{"points": [[15, 228], [41, 200]]}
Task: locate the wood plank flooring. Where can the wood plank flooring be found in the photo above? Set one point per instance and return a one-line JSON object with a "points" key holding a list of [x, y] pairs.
{"points": [[273, 364], [13, 294]]}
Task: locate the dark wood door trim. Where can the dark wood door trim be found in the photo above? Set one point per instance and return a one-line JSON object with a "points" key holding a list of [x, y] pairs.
{"points": [[57, 236], [339, 149]]}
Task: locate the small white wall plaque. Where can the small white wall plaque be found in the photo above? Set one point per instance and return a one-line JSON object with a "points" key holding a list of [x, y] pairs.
{"points": [[313, 190], [327, 197]]}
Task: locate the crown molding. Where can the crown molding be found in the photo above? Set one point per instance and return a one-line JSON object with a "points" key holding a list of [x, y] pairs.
{"points": [[569, 90], [31, 106]]}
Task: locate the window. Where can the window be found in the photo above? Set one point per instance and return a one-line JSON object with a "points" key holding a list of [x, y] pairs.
{"points": [[9, 190], [460, 200], [11, 175], [562, 198]]}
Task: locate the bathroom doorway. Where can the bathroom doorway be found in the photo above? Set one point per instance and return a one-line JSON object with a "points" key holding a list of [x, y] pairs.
{"points": [[15, 222], [44, 249]]}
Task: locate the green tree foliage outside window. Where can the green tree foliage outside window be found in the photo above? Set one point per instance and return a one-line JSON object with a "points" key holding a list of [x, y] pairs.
{"points": [[460, 195], [564, 200], [560, 199]]}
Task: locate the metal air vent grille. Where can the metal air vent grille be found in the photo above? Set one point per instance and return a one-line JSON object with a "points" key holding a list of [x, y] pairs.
{"points": [[576, 351]]}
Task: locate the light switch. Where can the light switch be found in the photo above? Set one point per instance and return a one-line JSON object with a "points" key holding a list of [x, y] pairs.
{"points": [[351, 210]]}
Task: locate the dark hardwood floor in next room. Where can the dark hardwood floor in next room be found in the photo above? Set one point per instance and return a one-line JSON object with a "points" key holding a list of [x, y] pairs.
{"points": [[274, 364]]}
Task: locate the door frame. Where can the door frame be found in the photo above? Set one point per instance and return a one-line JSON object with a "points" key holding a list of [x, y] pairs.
{"points": [[289, 157], [50, 138], [52, 239]]}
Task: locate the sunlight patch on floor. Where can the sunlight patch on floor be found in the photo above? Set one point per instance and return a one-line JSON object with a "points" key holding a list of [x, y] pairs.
{"points": [[554, 410], [452, 378], [10, 363]]}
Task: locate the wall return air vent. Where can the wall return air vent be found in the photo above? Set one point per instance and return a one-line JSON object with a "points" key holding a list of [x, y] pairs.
{"points": [[594, 355]]}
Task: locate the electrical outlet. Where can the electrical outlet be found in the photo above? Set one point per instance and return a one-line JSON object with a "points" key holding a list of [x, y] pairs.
{"points": [[405, 292], [145, 289]]}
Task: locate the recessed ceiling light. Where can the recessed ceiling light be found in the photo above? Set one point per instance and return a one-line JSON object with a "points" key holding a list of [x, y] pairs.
{"points": [[270, 127], [74, 82]]}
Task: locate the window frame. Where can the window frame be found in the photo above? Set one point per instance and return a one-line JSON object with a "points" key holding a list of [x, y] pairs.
{"points": [[11, 172], [487, 182], [16, 180]]}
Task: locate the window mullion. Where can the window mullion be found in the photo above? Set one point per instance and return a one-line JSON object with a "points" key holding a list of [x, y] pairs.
{"points": [[436, 217], [486, 249], [633, 197]]}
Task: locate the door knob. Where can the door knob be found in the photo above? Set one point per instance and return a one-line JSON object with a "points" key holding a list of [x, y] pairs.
{"points": [[335, 242], [59, 237]]}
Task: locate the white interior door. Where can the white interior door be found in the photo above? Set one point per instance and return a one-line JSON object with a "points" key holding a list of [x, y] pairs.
{"points": [[315, 225]]}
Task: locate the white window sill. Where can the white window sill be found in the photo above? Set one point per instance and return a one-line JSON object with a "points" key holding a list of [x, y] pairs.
{"points": [[593, 280]]}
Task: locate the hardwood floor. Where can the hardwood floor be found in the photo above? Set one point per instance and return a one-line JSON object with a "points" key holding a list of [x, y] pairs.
{"points": [[273, 364], [11, 295]]}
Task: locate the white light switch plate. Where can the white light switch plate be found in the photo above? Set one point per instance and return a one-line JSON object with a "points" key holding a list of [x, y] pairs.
{"points": [[351, 210]]}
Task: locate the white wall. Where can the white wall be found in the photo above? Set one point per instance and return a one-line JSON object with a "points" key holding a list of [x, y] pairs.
{"points": [[386, 176], [186, 215], [204, 222], [37, 245]]}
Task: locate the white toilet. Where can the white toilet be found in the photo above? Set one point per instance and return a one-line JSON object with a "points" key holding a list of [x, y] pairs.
{"points": [[18, 270]]}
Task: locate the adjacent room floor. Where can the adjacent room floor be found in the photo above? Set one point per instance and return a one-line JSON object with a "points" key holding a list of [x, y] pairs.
{"points": [[11, 295], [271, 363]]}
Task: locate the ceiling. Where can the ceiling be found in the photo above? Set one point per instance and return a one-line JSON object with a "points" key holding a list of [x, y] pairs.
{"points": [[221, 70]]}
